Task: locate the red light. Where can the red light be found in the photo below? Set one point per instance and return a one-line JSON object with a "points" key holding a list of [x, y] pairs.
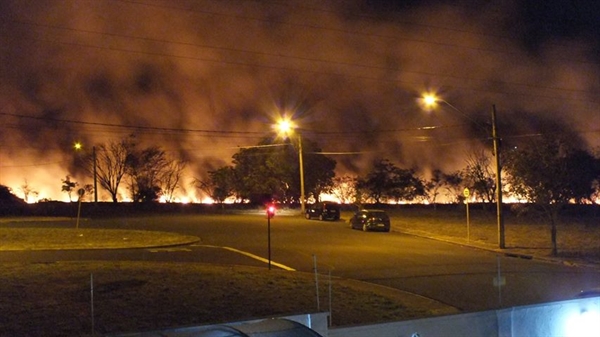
{"points": [[270, 211]]}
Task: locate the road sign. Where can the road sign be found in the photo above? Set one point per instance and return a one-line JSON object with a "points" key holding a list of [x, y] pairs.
{"points": [[466, 192]]}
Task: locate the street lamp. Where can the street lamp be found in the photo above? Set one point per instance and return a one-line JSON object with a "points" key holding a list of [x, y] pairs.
{"points": [[78, 147], [431, 100], [286, 127]]}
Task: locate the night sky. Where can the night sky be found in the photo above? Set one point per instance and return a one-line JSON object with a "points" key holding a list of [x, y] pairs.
{"points": [[201, 78]]}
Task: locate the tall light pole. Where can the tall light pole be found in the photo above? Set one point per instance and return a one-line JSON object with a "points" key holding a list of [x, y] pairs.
{"points": [[286, 127], [301, 163], [95, 177], [500, 219], [78, 147], [431, 100]]}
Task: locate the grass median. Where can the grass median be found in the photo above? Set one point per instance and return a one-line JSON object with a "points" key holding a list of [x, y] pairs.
{"points": [[66, 238]]}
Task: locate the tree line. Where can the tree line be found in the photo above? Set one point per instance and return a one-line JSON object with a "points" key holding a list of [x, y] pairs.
{"points": [[549, 171], [148, 172]]}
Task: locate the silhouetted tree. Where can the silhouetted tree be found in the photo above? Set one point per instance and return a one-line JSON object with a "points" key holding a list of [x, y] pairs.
{"points": [[68, 186], [319, 171], [379, 180], [220, 185], [264, 170], [453, 184], [146, 168], [386, 181], [273, 170], [111, 164], [407, 186], [88, 189], [550, 173], [433, 185], [27, 190], [171, 178], [478, 176]]}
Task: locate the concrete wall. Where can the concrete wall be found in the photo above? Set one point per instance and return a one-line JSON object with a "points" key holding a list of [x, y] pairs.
{"points": [[475, 324], [579, 317], [574, 318], [568, 318]]}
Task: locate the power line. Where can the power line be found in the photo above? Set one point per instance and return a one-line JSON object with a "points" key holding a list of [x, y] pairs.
{"points": [[218, 132], [134, 127], [259, 134], [379, 131]]}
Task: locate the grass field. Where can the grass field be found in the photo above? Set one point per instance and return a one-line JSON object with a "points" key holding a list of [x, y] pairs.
{"points": [[578, 233], [55, 299]]}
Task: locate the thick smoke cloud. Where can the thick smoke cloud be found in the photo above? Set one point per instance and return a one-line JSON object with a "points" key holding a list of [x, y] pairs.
{"points": [[207, 76]]}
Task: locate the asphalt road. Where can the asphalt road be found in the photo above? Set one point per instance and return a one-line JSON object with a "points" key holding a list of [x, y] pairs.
{"points": [[460, 276]]}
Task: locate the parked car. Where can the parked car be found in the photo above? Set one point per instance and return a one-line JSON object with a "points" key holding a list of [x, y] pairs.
{"points": [[323, 211], [371, 220]]}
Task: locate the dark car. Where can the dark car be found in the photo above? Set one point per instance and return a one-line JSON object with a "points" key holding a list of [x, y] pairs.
{"points": [[323, 211], [371, 220]]}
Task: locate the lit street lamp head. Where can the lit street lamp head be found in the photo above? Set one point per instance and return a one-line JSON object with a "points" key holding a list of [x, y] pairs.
{"points": [[285, 127], [430, 100]]}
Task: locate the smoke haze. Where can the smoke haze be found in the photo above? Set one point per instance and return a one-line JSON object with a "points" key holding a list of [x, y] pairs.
{"points": [[202, 77]]}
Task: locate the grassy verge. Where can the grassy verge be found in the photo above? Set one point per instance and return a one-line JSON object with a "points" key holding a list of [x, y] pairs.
{"points": [[62, 238], [56, 299], [578, 237]]}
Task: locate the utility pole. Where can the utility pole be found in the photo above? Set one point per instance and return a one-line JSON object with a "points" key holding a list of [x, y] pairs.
{"points": [[496, 140], [95, 177], [301, 163]]}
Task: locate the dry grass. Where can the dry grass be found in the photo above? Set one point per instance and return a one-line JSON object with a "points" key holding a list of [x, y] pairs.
{"points": [[578, 238], [56, 299]]}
